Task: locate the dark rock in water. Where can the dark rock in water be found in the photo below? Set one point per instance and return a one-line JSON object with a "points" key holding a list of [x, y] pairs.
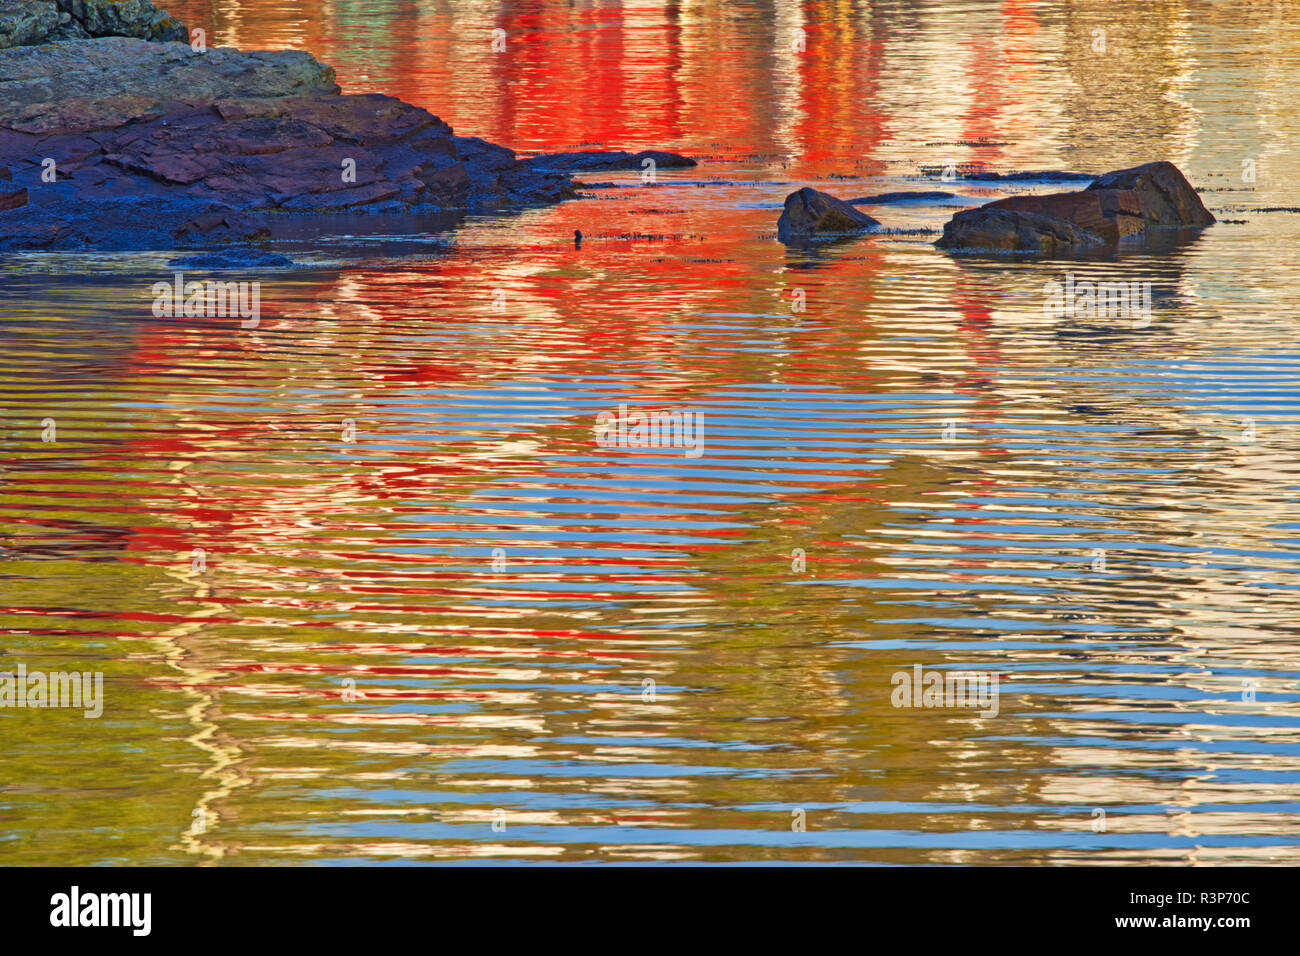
{"points": [[1028, 175], [1111, 214], [886, 199], [810, 215], [1117, 206], [156, 146], [1008, 230], [1167, 198], [126, 223], [1046, 176], [235, 257], [11, 197], [604, 160], [6, 175]]}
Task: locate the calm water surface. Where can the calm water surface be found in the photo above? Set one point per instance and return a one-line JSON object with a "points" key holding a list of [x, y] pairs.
{"points": [[921, 468]]}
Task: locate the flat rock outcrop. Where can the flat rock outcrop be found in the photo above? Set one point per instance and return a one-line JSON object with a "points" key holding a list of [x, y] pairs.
{"points": [[123, 143], [810, 215], [1117, 206], [110, 82]]}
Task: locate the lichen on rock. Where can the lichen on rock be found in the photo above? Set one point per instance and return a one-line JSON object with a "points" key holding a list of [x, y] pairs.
{"points": [[30, 22]]}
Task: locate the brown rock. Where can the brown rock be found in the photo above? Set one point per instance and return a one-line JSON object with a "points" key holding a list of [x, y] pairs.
{"points": [[1117, 205], [1110, 213], [1167, 198], [447, 183], [992, 229], [810, 214], [1123, 207], [257, 136], [11, 197]]}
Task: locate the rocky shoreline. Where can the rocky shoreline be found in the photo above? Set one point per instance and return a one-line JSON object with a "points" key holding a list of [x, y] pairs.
{"points": [[115, 136], [121, 132]]}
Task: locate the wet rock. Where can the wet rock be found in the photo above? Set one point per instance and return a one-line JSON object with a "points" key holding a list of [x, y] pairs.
{"points": [[603, 160], [1116, 206], [235, 257], [1167, 198], [129, 223], [810, 215], [989, 229], [1111, 214], [887, 199]]}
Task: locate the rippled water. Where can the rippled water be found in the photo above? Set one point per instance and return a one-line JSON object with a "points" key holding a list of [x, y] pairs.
{"points": [[364, 587]]}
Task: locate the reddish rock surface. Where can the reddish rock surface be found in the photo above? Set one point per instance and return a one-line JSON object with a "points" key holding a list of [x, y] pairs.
{"points": [[11, 197], [1166, 197], [1109, 214]]}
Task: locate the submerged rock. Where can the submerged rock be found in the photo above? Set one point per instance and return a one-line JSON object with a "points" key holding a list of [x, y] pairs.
{"points": [[602, 160], [235, 257], [1116, 206], [1046, 175], [811, 215], [126, 144], [887, 199], [1026, 175]]}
